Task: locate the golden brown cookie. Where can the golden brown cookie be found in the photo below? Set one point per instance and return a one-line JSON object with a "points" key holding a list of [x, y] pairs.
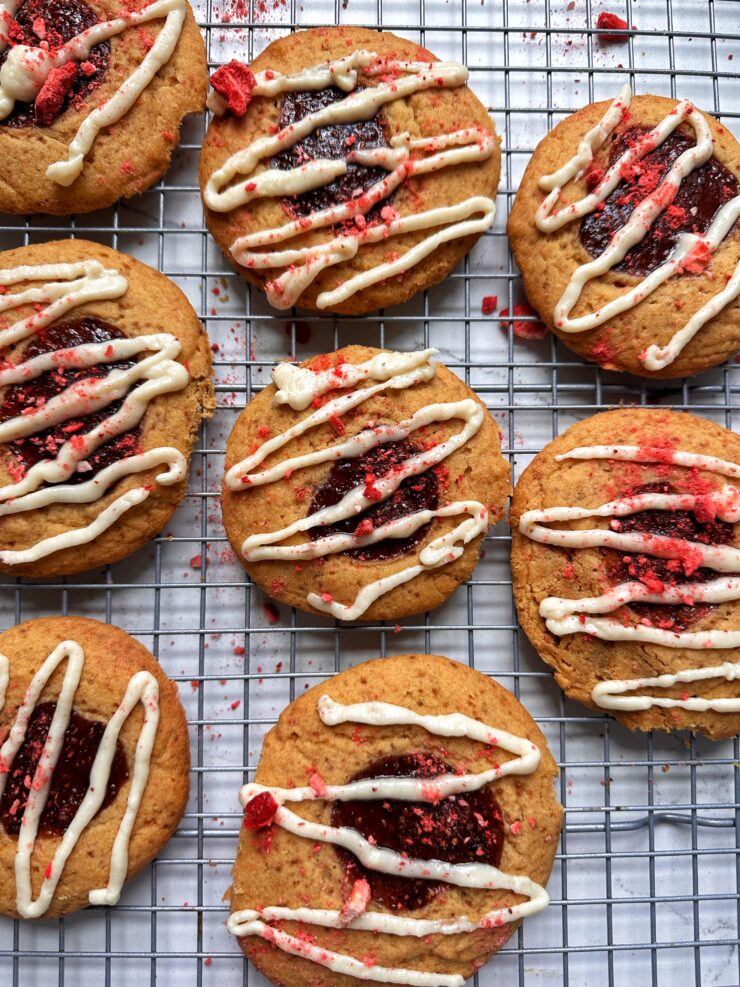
{"points": [[357, 168], [677, 273], [646, 588], [288, 857], [101, 397], [102, 692], [388, 454], [132, 150]]}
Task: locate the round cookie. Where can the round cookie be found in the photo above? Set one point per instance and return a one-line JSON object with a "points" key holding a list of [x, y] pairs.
{"points": [[120, 687], [112, 473], [511, 822], [244, 202], [369, 469], [43, 126], [698, 292], [633, 599]]}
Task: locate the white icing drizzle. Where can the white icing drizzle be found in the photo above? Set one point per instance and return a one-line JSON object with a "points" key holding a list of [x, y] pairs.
{"points": [[238, 182], [65, 287], [609, 695], [395, 371], [569, 616], [142, 688], [7, 12], [472, 875], [549, 219], [26, 69]]}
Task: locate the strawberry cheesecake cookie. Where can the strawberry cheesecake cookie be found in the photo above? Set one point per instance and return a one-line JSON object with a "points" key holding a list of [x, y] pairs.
{"points": [[626, 567], [401, 824], [92, 96], [347, 169], [625, 230], [361, 483], [105, 376], [95, 764]]}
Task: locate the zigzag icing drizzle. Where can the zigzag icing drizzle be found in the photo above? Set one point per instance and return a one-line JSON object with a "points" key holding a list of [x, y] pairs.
{"points": [[564, 616], [142, 688], [298, 387], [65, 287], [238, 182], [548, 218], [250, 922], [26, 69]]}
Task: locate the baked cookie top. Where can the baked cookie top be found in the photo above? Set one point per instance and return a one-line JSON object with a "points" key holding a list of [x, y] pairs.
{"points": [[624, 229], [407, 806], [95, 764], [625, 562], [369, 503], [346, 169], [92, 96], [104, 379]]}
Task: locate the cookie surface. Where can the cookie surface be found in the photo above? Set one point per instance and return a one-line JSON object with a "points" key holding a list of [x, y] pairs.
{"points": [[365, 242], [109, 662], [106, 322], [692, 291], [633, 600], [371, 469], [129, 154], [512, 822]]}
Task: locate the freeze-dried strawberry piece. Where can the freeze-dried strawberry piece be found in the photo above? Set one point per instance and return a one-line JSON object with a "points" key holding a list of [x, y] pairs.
{"points": [[260, 811], [53, 93], [235, 82], [523, 329], [610, 22]]}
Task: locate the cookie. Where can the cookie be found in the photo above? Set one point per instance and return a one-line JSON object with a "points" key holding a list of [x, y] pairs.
{"points": [[345, 170], [92, 97], [95, 764], [401, 824], [373, 503], [104, 380], [625, 561], [624, 229]]}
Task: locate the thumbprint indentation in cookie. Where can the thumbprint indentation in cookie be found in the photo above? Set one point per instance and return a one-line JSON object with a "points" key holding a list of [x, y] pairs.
{"points": [[70, 778], [19, 399], [50, 24], [416, 493], [333, 142], [465, 828], [658, 573], [699, 197]]}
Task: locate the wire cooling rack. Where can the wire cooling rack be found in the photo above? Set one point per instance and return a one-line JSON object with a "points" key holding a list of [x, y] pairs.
{"points": [[645, 887]]}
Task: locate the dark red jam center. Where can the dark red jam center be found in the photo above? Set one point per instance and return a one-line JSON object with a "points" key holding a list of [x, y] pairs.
{"points": [[626, 567], [19, 398], [417, 493], [333, 142], [465, 828], [71, 776], [51, 23], [701, 194]]}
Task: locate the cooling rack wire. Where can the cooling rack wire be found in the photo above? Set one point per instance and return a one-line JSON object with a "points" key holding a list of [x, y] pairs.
{"points": [[646, 885]]}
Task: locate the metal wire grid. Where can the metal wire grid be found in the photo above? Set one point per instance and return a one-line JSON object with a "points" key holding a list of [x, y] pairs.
{"points": [[647, 878]]}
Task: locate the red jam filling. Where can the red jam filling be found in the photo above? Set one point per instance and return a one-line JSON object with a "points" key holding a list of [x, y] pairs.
{"points": [[699, 197], [71, 777], [49, 24], [332, 143], [417, 493], [626, 567], [460, 829], [35, 393]]}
